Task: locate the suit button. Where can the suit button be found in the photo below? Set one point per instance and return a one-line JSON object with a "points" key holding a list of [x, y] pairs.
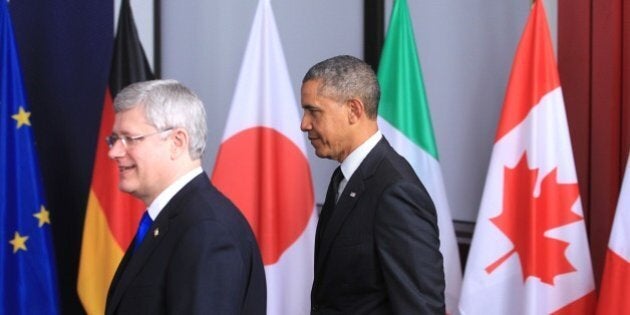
{"points": [[314, 308]]}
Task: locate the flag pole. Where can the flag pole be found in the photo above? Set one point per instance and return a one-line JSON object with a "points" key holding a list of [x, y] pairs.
{"points": [[373, 31]]}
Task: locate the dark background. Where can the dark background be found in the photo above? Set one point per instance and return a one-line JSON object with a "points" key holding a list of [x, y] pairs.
{"points": [[65, 49]]}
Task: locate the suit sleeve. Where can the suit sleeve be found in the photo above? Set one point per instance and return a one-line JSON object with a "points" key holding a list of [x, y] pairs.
{"points": [[408, 247], [208, 274]]}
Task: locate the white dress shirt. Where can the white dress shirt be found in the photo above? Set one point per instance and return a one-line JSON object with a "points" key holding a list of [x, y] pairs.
{"points": [[167, 194], [354, 159]]}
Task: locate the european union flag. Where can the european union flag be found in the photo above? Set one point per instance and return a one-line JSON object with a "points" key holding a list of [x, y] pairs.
{"points": [[27, 273]]}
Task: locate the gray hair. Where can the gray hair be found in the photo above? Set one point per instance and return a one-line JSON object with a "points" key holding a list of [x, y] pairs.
{"points": [[168, 104], [345, 77]]}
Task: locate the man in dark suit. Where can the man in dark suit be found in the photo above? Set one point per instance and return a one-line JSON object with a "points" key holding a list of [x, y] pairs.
{"points": [[377, 246], [199, 255]]}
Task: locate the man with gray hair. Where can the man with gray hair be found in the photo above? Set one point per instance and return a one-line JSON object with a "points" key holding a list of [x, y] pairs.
{"points": [[194, 252], [376, 245]]}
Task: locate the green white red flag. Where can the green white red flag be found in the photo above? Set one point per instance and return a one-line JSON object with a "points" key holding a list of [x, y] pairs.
{"points": [[405, 120]]}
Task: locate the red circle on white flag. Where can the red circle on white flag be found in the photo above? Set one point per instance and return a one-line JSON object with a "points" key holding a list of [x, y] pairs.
{"points": [[268, 178]]}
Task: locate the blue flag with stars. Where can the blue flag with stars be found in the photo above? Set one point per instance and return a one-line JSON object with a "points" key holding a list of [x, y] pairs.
{"points": [[27, 272]]}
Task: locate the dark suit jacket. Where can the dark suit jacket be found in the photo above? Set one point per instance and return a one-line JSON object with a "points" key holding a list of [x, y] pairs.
{"points": [[377, 250], [204, 259]]}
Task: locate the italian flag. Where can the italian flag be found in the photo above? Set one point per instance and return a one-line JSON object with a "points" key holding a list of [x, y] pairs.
{"points": [[405, 120], [263, 168], [613, 294], [529, 253]]}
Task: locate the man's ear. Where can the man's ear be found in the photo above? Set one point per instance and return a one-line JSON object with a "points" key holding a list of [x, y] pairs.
{"points": [[356, 110], [180, 143]]}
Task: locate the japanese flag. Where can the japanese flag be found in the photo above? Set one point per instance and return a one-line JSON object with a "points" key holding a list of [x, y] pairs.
{"points": [[263, 168]]}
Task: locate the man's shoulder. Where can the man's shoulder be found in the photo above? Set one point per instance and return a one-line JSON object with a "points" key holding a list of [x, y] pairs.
{"points": [[392, 165], [204, 202]]}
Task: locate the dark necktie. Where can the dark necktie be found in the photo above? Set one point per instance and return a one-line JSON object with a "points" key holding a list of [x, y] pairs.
{"points": [[143, 228], [336, 181], [328, 207], [331, 199]]}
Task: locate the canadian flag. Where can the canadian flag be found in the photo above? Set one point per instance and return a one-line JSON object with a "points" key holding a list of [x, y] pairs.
{"points": [[529, 253], [263, 168], [613, 294]]}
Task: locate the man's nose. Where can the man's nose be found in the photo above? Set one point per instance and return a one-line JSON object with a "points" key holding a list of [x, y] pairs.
{"points": [[116, 150], [305, 124]]}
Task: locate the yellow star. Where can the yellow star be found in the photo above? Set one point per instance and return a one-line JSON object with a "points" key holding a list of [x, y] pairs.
{"points": [[22, 118], [43, 215], [18, 242]]}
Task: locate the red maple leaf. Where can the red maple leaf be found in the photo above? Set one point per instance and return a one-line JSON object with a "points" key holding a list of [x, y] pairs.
{"points": [[525, 219]]}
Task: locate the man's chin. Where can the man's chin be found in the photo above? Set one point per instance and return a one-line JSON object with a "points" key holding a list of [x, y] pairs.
{"points": [[126, 188], [323, 155]]}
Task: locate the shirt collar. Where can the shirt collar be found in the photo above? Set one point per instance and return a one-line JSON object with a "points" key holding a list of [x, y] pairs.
{"points": [[354, 159], [167, 194]]}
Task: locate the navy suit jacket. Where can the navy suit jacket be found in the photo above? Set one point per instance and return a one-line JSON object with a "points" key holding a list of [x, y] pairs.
{"points": [[199, 257], [377, 249]]}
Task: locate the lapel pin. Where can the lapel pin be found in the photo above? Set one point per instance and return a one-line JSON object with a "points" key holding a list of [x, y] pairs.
{"points": [[353, 194], [156, 232]]}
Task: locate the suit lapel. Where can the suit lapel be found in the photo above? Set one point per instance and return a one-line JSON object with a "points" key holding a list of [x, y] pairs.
{"points": [[355, 188], [132, 264], [324, 216], [111, 296]]}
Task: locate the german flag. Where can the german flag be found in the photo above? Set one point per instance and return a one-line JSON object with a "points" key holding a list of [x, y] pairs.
{"points": [[111, 216]]}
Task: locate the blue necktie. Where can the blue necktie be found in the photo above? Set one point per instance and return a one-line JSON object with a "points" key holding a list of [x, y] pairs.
{"points": [[143, 228]]}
